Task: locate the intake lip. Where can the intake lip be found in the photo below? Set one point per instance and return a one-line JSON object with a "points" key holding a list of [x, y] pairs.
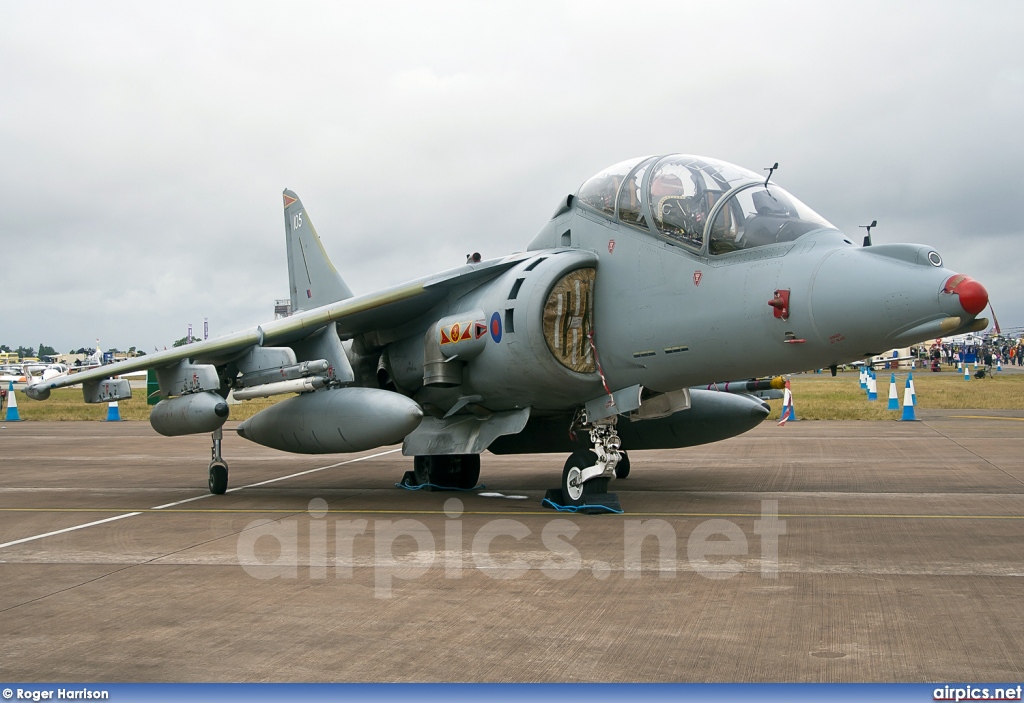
{"points": [[973, 296]]}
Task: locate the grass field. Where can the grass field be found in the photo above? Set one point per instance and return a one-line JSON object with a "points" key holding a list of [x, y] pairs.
{"points": [[816, 397], [821, 397]]}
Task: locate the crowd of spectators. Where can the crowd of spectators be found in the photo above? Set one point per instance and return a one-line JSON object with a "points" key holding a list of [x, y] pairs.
{"points": [[989, 353]]}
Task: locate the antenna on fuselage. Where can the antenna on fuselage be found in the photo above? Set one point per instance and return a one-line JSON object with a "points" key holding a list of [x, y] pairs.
{"points": [[867, 239], [770, 171]]}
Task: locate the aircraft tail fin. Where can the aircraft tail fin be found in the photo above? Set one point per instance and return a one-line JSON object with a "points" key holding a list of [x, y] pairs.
{"points": [[312, 279]]}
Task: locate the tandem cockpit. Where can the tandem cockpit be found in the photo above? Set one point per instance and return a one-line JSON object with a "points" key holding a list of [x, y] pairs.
{"points": [[702, 204]]}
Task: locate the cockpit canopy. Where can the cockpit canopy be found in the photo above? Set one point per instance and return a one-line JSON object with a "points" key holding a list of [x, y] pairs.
{"points": [[693, 201]]}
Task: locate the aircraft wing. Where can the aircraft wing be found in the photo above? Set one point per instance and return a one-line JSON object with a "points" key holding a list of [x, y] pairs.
{"points": [[383, 309], [388, 308]]}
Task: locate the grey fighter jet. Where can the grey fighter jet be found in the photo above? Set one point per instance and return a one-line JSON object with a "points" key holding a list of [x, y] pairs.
{"points": [[662, 276]]}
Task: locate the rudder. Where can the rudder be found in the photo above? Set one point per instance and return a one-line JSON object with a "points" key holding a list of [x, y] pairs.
{"points": [[312, 278]]}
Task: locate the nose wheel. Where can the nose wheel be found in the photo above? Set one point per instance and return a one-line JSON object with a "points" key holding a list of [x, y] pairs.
{"points": [[574, 487], [218, 467], [588, 472], [622, 468]]}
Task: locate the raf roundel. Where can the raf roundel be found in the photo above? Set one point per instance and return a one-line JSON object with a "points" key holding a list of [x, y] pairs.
{"points": [[496, 327]]}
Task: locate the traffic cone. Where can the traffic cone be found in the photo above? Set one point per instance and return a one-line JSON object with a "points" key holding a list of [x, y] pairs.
{"points": [[908, 404], [999, 363], [913, 388], [872, 388], [894, 398], [967, 372], [113, 413], [12, 404]]}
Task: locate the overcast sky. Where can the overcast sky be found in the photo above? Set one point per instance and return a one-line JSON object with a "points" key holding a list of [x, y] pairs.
{"points": [[144, 147]]}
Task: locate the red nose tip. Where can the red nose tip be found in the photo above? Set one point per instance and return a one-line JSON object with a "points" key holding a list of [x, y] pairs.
{"points": [[973, 296]]}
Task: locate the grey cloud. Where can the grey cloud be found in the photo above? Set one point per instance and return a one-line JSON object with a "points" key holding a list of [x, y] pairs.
{"points": [[145, 147]]}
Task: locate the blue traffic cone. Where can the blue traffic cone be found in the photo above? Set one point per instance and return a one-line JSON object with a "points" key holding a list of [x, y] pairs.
{"points": [[967, 372], [872, 388], [863, 379], [908, 404], [12, 405], [999, 363], [913, 388], [113, 413], [894, 398]]}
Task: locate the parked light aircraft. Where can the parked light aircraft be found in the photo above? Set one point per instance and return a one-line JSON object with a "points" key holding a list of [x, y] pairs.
{"points": [[658, 277], [31, 372]]}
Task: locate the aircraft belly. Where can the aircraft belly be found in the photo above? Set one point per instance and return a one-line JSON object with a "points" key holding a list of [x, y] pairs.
{"points": [[462, 434], [713, 416]]}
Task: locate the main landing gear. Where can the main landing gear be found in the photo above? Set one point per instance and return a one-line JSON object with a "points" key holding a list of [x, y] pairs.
{"points": [[447, 470], [218, 467], [588, 472]]}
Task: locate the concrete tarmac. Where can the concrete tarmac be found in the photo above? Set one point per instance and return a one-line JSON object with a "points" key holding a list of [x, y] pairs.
{"points": [[818, 551]]}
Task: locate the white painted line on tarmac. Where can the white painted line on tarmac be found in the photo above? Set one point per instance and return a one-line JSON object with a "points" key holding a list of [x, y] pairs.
{"points": [[66, 529], [303, 473], [205, 495]]}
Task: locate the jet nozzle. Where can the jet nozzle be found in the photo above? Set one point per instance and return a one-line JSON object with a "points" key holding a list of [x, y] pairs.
{"points": [[973, 296]]}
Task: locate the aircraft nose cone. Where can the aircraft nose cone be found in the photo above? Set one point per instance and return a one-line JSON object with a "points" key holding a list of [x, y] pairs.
{"points": [[973, 296]]}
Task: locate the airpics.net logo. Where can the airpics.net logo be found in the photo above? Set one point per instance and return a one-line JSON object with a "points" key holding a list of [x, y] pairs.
{"points": [[961, 692], [315, 546]]}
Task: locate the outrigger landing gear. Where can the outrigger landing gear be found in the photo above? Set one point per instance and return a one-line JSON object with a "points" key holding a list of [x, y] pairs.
{"points": [[218, 467], [588, 473]]}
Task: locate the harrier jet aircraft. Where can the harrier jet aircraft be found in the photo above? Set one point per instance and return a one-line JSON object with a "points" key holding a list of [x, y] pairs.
{"points": [[662, 275]]}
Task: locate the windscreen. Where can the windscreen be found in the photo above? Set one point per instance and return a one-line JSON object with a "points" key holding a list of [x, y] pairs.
{"points": [[760, 215]]}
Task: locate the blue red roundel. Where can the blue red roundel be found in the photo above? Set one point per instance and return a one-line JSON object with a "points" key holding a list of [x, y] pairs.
{"points": [[496, 327]]}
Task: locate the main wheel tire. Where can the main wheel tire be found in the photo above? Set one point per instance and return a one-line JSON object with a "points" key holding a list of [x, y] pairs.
{"points": [[421, 466], [622, 468], [573, 489], [218, 478], [465, 471], [448, 471]]}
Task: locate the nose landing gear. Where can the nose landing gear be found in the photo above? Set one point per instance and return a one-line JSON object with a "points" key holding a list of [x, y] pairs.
{"points": [[587, 473]]}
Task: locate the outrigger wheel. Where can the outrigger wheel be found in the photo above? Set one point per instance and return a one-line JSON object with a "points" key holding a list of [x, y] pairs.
{"points": [[218, 467], [447, 470], [574, 490], [218, 477]]}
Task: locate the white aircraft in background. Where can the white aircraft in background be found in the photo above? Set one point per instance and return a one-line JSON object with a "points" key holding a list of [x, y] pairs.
{"points": [[32, 372]]}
